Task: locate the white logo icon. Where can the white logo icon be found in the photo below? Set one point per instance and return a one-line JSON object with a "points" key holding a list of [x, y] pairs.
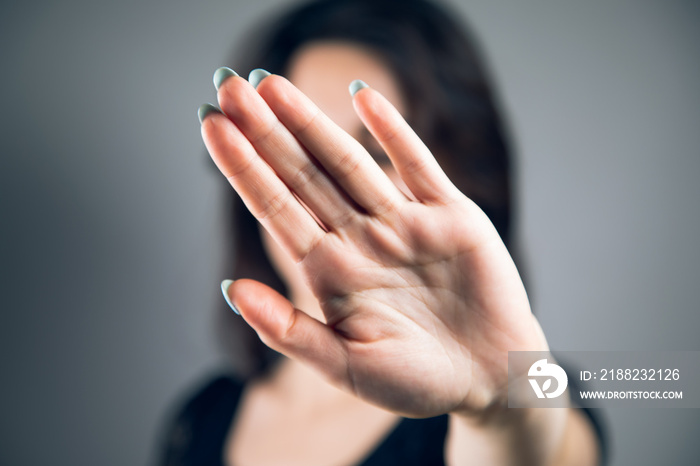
{"points": [[542, 369]]}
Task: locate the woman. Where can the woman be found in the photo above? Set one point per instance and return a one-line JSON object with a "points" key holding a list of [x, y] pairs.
{"points": [[403, 298]]}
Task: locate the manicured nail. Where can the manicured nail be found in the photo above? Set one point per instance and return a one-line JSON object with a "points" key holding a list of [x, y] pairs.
{"points": [[257, 75], [221, 75], [356, 85], [206, 109], [224, 289]]}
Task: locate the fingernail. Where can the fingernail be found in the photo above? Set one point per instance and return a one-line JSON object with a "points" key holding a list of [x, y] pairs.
{"points": [[224, 289], [221, 75], [257, 75], [206, 109], [355, 86]]}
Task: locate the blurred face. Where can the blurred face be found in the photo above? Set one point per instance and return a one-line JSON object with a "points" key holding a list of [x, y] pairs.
{"points": [[323, 71]]}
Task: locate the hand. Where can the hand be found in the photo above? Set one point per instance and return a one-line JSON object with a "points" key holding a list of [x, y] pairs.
{"points": [[421, 299]]}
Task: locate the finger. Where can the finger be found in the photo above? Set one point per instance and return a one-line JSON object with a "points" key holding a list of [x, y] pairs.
{"points": [[346, 161], [284, 153], [263, 193], [412, 159], [290, 331]]}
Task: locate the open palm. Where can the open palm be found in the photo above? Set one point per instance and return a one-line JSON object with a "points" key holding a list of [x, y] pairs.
{"points": [[421, 299]]}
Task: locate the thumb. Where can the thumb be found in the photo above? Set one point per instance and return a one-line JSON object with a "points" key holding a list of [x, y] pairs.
{"points": [[288, 330]]}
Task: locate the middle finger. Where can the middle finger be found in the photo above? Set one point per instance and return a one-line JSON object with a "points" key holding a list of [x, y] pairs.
{"points": [[345, 159], [283, 152]]}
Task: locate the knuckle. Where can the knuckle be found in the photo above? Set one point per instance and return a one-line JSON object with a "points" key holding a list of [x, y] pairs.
{"points": [[264, 129], [306, 125], [347, 165], [414, 165], [383, 206], [305, 175], [273, 206], [390, 131], [288, 331], [239, 169]]}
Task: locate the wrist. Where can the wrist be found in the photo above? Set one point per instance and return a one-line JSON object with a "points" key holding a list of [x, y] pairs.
{"points": [[508, 436]]}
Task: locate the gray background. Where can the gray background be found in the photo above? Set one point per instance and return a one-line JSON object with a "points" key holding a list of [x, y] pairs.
{"points": [[110, 212]]}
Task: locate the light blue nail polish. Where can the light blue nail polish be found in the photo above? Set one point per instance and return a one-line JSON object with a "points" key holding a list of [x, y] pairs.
{"points": [[257, 75], [224, 289], [356, 85], [206, 109], [221, 75]]}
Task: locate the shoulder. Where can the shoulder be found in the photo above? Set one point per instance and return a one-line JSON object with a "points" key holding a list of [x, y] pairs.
{"points": [[197, 428]]}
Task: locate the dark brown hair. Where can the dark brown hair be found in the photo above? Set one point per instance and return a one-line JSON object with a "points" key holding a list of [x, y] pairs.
{"points": [[450, 105]]}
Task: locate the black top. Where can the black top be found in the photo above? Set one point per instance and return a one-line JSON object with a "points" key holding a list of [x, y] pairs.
{"points": [[197, 434]]}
